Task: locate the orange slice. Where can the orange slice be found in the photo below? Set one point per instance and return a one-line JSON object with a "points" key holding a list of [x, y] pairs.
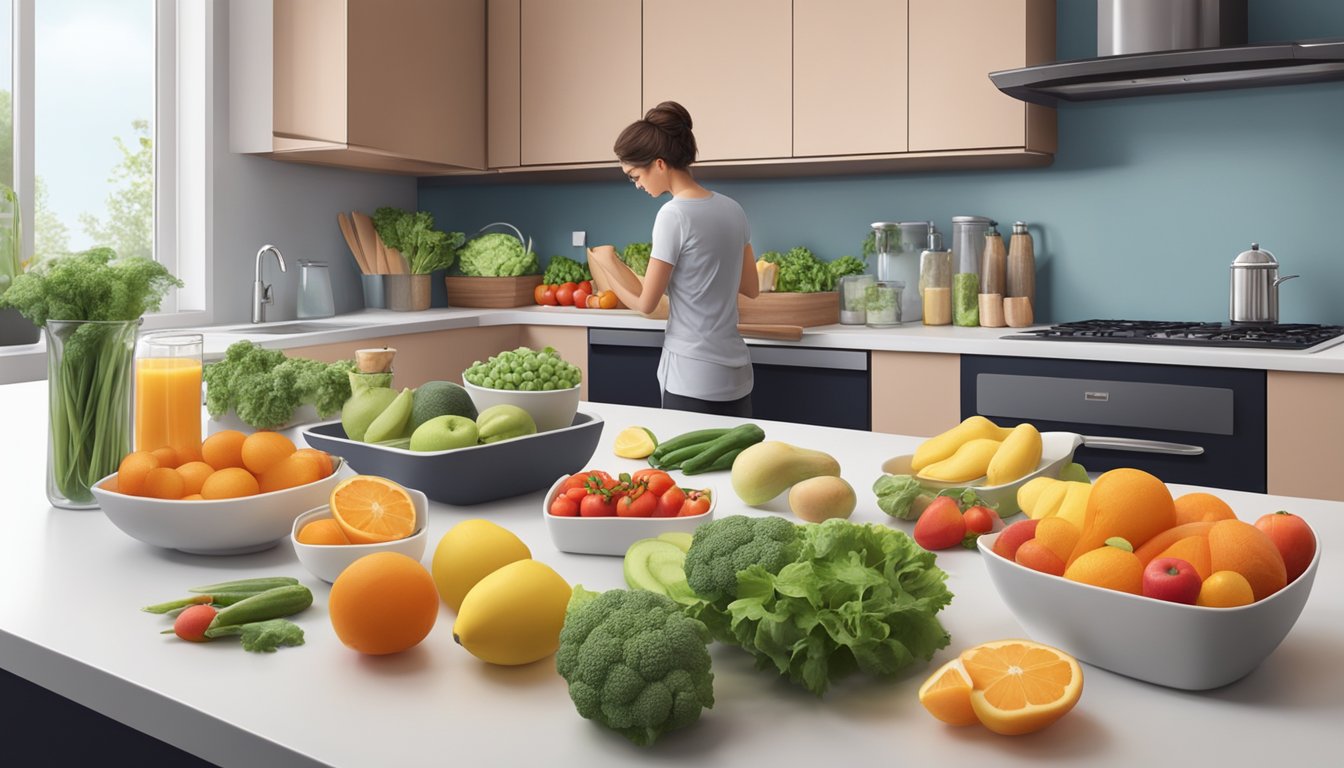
{"points": [[947, 695], [1018, 686], [372, 509]]}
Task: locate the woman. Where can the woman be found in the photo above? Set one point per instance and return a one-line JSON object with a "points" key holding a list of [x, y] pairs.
{"points": [[701, 260]]}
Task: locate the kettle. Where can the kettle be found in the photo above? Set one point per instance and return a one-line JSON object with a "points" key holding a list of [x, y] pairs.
{"points": [[1255, 288]]}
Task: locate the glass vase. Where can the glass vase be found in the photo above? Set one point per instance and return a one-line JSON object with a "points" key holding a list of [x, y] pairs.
{"points": [[90, 372]]}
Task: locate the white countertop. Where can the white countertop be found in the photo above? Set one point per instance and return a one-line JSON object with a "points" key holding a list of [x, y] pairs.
{"points": [[69, 620], [24, 363]]}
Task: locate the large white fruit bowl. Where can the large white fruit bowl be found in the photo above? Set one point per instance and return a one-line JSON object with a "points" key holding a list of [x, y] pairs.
{"points": [[1178, 646], [551, 409]]}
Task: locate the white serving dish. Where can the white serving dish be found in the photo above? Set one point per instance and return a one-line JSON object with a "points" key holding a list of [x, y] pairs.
{"points": [[1169, 644], [612, 535], [219, 526], [553, 409], [326, 561], [293, 429]]}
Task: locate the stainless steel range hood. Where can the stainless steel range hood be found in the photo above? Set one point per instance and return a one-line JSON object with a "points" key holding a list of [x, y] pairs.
{"points": [[1203, 69]]}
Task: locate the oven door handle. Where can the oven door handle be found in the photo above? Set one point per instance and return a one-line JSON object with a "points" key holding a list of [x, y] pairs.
{"points": [[1141, 446]]}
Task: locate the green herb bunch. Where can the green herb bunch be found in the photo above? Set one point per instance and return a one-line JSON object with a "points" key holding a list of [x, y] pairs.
{"points": [[800, 271], [264, 387], [426, 249], [562, 269], [636, 257]]}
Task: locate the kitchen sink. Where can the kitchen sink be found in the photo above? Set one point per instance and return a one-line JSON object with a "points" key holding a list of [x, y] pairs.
{"points": [[285, 328]]}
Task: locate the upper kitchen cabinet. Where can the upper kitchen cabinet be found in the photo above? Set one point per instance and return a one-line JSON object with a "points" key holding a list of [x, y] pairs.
{"points": [[730, 65], [577, 79], [849, 77], [385, 86], [954, 45]]}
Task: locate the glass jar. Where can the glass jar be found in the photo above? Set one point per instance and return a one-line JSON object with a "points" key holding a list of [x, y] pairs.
{"points": [[89, 380], [883, 303], [854, 299], [168, 393], [968, 242], [935, 281]]}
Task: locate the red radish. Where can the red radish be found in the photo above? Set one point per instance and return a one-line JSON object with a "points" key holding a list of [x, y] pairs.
{"points": [[941, 525], [192, 623]]}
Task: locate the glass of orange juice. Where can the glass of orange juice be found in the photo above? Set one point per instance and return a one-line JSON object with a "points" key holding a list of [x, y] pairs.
{"points": [[168, 393]]}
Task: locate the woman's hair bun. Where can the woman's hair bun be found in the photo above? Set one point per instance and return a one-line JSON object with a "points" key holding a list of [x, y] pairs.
{"points": [[669, 116], [664, 133]]}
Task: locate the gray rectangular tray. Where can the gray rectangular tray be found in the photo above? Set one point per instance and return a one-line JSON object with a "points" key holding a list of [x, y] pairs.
{"points": [[475, 474]]}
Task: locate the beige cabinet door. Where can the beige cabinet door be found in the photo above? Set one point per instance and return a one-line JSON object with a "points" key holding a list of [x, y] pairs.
{"points": [[730, 65], [849, 77], [503, 83], [954, 45], [580, 78]]}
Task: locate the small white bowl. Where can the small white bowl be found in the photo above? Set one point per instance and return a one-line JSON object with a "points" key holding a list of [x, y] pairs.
{"points": [[1056, 451], [553, 409], [326, 561], [612, 535], [1178, 646], [218, 526]]}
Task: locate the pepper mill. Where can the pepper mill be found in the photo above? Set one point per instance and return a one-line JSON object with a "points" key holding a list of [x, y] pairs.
{"points": [[1021, 263], [993, 269]]}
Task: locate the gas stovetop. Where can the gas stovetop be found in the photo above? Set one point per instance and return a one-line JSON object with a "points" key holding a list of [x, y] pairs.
{"points": [[1281, 336]]}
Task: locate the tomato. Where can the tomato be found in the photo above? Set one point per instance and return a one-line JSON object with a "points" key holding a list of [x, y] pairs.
{"points": [[669, 502], [640, 502], [593, 302], [563, 506], [657, 480], [576, 494], [597, 505], [581, 297], [538, 292], [697, 503], [586, 286], [564, 294], [548, 296], [979, 519], [576, 480], [607, 300], [941, 525]]}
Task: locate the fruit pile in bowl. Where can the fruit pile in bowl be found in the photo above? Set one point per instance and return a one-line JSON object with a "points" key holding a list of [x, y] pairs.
{"points": [[366, 514], [539, 382], [591, 512], [1178, 592]]}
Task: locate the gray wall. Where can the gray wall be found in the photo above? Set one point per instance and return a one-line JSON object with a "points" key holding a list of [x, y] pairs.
{"points": [[1147, 203]]}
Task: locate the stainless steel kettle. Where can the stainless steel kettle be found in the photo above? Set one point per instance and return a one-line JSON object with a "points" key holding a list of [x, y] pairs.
{"points": [[1255, 288]]}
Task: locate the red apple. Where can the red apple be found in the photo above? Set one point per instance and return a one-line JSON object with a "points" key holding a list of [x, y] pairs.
{"points": [[1012, 537], [1172, 579]]}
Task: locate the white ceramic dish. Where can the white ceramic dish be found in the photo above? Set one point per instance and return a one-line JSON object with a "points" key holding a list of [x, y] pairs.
{"points": [[1169, 644], [216, 527], [550, 410], [612, 535], [1056, 451], [326, 561]]}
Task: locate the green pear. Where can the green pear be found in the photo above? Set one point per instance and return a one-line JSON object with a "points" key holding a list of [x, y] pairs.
{"points": [[392, 422]]}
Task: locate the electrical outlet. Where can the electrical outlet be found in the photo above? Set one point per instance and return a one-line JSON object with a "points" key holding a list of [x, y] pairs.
{"points": [[579, 238]]}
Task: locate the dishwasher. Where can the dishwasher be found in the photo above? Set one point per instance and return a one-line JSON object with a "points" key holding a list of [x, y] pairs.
{"points": [[806, 385]]}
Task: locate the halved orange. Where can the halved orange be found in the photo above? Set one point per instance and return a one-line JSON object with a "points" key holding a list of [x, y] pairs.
{"points": [[1018, 686], [947, 695], [372, 509]]}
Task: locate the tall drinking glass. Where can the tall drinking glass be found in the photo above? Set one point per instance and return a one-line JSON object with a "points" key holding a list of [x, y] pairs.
{"points": [[168, 393]]}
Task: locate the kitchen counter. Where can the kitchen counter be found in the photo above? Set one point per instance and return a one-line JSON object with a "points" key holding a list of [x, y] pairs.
{"points": [[24, 363], [69, 620]]}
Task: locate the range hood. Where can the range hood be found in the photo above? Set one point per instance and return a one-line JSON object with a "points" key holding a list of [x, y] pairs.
{"points": [[1185, 71]]}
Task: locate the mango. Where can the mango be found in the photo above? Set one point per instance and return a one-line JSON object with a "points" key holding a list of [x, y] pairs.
{"points": [[764, 470], [942, 446], [968, 463], [1017, 457]]}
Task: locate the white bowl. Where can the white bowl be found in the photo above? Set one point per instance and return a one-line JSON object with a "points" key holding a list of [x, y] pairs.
{"points": [[326, 561], [1056, 451], [215, 527], [1170, 644], [612, 535], [553, 409]]}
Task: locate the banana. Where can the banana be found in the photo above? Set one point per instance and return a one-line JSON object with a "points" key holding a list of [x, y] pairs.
{"points": [[1030, 492], [968, 463], [1074, 506], [942, 446], [1017, 457]]}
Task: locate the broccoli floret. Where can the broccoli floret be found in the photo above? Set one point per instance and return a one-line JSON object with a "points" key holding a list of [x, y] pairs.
{"points": [[728, 545], [635, 663]]}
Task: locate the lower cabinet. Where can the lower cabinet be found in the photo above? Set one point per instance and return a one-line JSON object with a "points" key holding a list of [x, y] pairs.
{"points": [[1305, 420], [916, 393]]}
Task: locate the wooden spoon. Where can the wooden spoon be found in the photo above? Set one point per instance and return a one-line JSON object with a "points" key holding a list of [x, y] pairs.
{"points": [[369, 242], [348, 230], [771, 331]]}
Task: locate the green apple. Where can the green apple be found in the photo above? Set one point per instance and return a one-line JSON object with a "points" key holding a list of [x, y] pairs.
{"points": [[443, 433]]}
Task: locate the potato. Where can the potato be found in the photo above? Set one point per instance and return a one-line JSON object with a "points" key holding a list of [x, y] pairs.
{"points": [[819, 499]]}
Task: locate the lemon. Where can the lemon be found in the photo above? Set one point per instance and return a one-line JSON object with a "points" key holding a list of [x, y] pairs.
{"points": [[635, 443], [470, 551], [514, 615]]}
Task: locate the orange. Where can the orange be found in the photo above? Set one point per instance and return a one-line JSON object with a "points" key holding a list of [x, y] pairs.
{"points": [[193, 497], [1225, 589], [1128, 503], [1159, 543], [1202, 508], [1294, 539], [132, 471], [193, 476], [947, 695], [1018, 686], [1109, 567], [1058, 535], [383, 603], [322, 458], [1235, 545], [223, 449], [1035, 555], [229, 483], [263, 450], [324, 531], [164, 483], [167, 456], [371, 509], [291, 472]]}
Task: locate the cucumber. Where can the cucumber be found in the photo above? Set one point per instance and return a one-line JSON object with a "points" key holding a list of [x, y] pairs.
{"points": [[737, 438], [272, 604], [721, 464], [687, 438], [674, 459], [246, 585], [656, 565]]}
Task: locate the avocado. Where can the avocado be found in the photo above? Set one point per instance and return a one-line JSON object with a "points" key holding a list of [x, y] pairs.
{"points": [[440, 398]]}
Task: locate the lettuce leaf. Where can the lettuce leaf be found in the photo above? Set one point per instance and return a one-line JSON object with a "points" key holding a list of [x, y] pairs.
{"points": [[859, 598]]}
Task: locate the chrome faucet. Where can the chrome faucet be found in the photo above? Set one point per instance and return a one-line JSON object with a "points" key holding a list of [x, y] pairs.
{"points": [[261, 292]]}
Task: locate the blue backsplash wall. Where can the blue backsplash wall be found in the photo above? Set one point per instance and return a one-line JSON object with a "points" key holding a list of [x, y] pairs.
{"points": [[1146, 204]]}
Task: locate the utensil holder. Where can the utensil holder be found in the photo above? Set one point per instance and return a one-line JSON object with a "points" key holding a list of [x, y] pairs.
{"points": [[991, 310], [1017, 311], [374, 291], [407, 293]]}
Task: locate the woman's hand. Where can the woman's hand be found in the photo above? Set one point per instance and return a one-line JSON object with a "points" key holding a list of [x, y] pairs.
{"points": [[643, 296]]}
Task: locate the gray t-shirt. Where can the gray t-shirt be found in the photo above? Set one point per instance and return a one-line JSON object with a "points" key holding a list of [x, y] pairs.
{"points": [[703, 240]]}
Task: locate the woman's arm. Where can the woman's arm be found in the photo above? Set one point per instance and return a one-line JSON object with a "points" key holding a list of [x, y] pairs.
{"points": [[641, 296], [751, 281]]}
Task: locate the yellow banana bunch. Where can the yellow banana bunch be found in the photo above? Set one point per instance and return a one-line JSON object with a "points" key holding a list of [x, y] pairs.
{"points": [[1048, 497], [940, 447], [968, 463], [1017, 457], [977, 447]]}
